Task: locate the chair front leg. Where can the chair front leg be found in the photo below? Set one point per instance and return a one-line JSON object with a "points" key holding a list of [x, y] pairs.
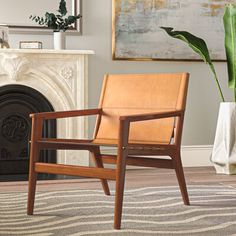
{"points": [[120, 171], [34, 157], [98, 162], [120, 183]]}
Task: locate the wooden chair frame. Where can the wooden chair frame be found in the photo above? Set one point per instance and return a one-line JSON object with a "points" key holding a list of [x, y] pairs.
{"points": [[128, 154]]}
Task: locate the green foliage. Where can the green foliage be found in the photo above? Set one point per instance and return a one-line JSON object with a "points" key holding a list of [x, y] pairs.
{"points": [[197, 44], [62, 8], [200, 47], [230, 44], [57, 22]]}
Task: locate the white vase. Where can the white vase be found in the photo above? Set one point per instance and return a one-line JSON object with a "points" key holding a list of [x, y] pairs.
{"points": [[224, 149], [59, 40]]}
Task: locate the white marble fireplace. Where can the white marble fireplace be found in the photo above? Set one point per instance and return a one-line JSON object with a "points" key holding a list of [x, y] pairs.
{"points": [[60, 76]]}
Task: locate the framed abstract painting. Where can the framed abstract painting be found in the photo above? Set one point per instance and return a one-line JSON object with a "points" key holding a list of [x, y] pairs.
{"points": [[136, 33]]}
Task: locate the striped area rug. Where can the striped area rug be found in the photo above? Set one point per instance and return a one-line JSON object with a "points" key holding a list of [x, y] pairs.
{"points": [[147, 211]]}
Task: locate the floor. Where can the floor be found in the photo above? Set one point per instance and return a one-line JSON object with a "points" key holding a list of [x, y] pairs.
{"points": [[134, 179]]}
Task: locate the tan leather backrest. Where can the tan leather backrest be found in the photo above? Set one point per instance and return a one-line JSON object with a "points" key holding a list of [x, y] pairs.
{"points": [[128, 94]]}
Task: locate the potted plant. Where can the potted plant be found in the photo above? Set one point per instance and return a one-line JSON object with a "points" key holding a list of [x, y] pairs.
{"points": [[224, 149], [58, 22]]}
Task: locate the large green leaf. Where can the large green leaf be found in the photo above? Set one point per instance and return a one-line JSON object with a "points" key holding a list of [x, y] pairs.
{"points": [[199, 46], [230, 42]]}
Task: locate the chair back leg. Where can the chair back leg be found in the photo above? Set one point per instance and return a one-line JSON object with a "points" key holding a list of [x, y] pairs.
{"points": [[98, 162], [180, 177]]}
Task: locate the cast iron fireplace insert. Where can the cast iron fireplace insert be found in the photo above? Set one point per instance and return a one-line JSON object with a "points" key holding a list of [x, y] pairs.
{"points": [[16, 103]]}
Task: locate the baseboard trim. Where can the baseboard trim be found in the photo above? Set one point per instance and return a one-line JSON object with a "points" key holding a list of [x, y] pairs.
{"points": [[192, 156], [196, 156]]}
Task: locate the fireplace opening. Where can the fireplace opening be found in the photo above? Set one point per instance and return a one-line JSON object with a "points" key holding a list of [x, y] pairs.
{"points": [[16, 103]]}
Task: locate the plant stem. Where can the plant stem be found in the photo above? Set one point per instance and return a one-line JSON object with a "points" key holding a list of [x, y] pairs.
{"points": [[217, 82], [218, 85]]}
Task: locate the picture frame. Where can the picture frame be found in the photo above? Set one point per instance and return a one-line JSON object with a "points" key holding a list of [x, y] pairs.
{"points": [[136, 32], [19, 22], [30, 45]]}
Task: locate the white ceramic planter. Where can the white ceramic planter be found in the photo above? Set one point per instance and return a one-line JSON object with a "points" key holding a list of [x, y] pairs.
{"points": [[224, 149], [59, 40]]}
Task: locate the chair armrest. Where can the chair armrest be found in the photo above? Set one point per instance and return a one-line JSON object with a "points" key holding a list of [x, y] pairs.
{"points": [[65, 114], [126, 120], [152, 116]]}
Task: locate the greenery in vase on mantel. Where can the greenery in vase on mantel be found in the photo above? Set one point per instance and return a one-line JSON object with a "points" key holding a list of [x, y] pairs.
{"points": [[200, 47], [57, 22]]}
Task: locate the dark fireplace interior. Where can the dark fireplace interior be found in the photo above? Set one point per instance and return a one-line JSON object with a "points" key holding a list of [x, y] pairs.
{"points": [[16, 103]]}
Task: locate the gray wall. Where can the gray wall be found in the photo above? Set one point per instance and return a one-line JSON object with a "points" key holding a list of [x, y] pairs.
{"points": [[203, 97]]}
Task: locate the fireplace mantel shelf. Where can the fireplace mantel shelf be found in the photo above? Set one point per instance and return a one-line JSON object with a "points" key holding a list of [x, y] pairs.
{"points": [[47, 51]]}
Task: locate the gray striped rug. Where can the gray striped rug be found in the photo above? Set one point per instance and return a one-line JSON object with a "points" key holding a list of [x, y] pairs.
{"points": [[147, 211]]}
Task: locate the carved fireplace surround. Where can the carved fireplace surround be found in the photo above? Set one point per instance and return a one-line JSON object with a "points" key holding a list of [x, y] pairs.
{"points": [[60, 76]]}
